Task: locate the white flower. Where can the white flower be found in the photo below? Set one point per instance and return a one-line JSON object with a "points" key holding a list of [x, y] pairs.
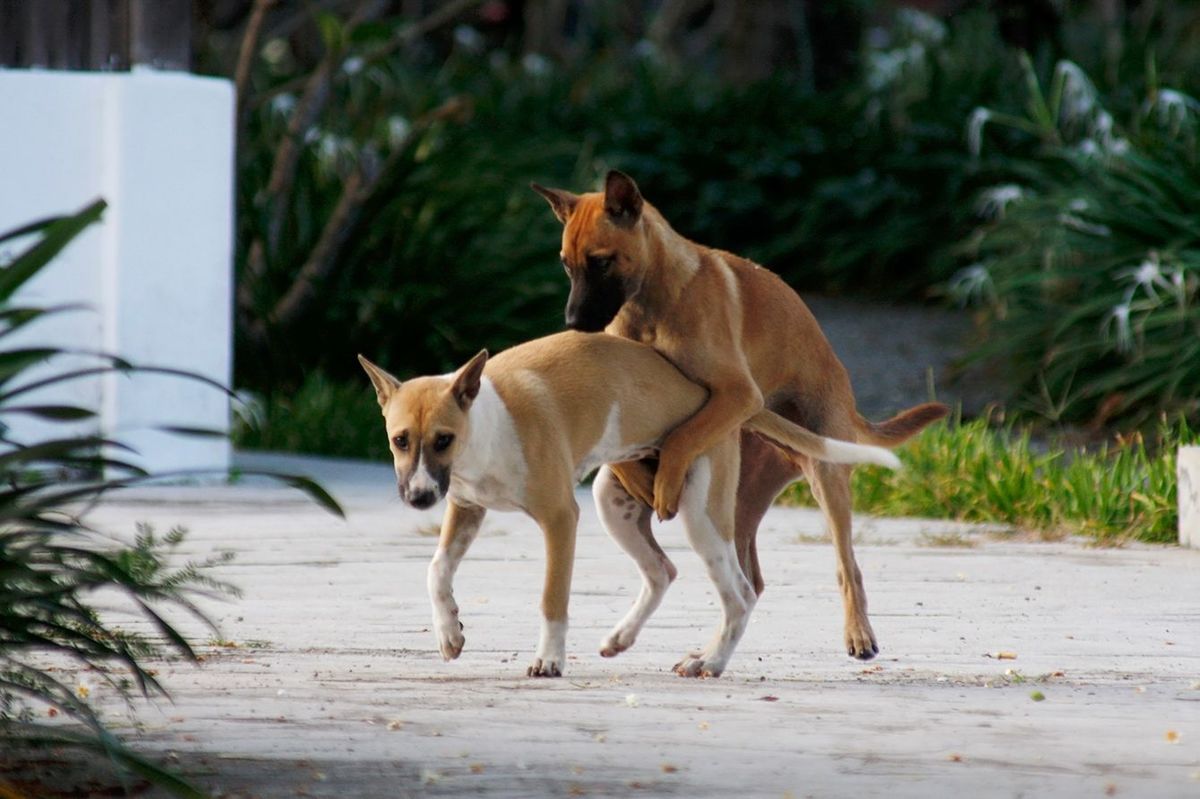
{"points": [[282, 104], [1147, 276], [334, 153], [884, 68], [647, 50], [1117, 146], [398, 130], [535, 64], [924, 27], [1078, 205], [1078, 93], [469, 39], [353, 65], [275, 51], [972, 284], [979, 118], [1091, 228], [1172, 108], [993, 202], [1118, 317]]}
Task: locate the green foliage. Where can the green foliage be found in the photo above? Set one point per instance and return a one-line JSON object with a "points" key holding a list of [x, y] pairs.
{"points": [[53, 566], [970, 471], [322, 417], [446, 249], [1090, 270]]}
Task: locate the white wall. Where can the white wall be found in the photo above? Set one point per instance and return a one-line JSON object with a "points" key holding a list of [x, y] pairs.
{"points": [[156, 272]]}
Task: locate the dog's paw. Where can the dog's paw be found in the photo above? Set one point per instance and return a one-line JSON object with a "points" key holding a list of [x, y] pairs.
{"points": [[617, 642], [450, 640], [860, 641], [694, 665], [544, 668], [668, 486]]}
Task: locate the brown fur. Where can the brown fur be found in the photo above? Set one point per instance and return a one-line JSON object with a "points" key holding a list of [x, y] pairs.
{"points": [[740, 331]]}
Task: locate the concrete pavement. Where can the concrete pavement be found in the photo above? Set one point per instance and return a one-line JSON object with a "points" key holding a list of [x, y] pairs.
{"points": [[326, 680]]}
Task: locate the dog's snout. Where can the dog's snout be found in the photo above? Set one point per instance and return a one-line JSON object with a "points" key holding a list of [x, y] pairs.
{"points": [[423, 499]]}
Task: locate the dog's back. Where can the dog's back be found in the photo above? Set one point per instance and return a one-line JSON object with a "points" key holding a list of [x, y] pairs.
{"points": [[582, 384]]}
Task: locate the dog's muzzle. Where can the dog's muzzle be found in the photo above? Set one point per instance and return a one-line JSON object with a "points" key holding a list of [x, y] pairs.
{"points": [[423, 499]]}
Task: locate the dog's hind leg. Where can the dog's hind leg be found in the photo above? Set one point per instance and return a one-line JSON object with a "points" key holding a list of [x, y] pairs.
{"points": [[628, 523], [765, 472], [706, 508], [830, 484]]}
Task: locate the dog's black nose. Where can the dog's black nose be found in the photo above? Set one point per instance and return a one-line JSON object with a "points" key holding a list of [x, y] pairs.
{"points": [[585, 324], [423, 500]]}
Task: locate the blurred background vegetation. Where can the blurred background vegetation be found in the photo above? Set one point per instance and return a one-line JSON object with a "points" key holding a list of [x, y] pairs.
{"points": [[1035, 160]]}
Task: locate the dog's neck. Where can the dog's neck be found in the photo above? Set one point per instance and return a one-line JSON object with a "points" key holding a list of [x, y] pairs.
{"points": [[490, 468], [671, 263]]}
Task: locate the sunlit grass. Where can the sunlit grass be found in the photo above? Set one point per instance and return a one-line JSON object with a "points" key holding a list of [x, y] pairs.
{"points": [[973, 472]]}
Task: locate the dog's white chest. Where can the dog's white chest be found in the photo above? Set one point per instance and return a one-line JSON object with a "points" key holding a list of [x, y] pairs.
{"points": [[491, 470]]}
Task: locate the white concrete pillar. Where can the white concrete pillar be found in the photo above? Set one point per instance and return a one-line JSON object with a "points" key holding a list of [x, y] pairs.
{"points": [[156, 273], [1188, 470]]}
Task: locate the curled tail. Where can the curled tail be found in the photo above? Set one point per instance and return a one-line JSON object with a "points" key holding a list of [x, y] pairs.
{"points": [[796, 439], [902, 426]]}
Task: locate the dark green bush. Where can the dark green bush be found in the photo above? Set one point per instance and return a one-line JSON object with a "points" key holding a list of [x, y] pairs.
{"points": [[1090, 270]]}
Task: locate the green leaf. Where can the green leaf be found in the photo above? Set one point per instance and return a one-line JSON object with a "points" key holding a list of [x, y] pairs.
{"points": [[309, 487], [198, 432], [57, 413], [332, 30], [56, 235]]}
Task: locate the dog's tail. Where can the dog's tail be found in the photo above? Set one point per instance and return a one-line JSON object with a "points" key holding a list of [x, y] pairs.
{"points": [[901, 427], [794, 438]]}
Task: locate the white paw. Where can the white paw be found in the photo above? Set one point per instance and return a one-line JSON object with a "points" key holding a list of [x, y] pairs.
{"points": [[617, 642], [696, 665], [450, 639], [545, 668]]}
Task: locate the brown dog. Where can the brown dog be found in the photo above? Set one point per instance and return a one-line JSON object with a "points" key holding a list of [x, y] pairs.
{"points": [[740, 331]]}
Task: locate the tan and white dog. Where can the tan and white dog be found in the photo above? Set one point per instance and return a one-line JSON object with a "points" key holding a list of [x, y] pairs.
{"points": [[519, 431]]}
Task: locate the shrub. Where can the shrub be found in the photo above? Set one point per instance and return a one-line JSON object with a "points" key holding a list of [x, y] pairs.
{"points": [[53, 566], [1089, 272]]}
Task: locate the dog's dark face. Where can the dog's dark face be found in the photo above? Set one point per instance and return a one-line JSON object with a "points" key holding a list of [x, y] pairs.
{"points": [[603, 249], [426, 421]]}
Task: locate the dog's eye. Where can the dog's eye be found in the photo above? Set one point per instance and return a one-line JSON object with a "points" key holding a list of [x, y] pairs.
{"points": [[599, 261], [443, 442], [401, 442]]}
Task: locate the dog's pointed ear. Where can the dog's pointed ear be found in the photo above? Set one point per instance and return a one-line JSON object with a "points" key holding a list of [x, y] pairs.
{"points": [[385, 384], [466, 383], [622, 200], [563, 202]]}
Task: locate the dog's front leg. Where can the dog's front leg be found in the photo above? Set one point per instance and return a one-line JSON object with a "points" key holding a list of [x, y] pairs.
{"points": [[459, 528], [729, 404], [558, 525]]}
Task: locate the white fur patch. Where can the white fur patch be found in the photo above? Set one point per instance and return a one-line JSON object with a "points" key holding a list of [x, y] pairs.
{"points": [[845, 452], [490, 469], [736, 594], [552, 648], [422, 481], [611, 448]]}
